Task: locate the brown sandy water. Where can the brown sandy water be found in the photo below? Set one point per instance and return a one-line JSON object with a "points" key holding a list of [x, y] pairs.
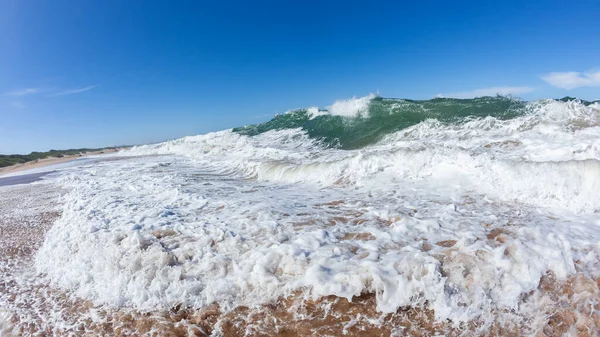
{"points": [[30, 307]]}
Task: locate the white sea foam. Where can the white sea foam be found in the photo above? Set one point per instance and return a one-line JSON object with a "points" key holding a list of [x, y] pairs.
{"points": [[351, 107], [510, 159], [243, 220]]}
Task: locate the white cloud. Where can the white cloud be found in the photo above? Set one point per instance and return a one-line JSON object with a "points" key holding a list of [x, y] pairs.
{"points": [[23, 92], [489, 92], [573, 79], [74, 91]]}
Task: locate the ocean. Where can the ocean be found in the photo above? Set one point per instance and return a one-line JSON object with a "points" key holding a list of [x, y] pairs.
{"points": [[458, 216]]}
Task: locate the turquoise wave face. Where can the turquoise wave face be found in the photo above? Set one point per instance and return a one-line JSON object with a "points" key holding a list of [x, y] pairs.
{"points": [[384, 116], [388, 115]]}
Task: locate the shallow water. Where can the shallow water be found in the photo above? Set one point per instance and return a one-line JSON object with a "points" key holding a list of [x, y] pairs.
{"points": [[23, 179]]}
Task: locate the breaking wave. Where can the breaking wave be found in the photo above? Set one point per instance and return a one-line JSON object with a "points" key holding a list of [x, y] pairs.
{"points": [[400, 198]]}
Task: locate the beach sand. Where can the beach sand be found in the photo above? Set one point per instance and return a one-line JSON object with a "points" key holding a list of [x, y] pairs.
{"points": [[30, 306], [51, 161]]}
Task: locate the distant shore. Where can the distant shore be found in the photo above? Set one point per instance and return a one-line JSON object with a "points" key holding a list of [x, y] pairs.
{"points": [[51, 161]]}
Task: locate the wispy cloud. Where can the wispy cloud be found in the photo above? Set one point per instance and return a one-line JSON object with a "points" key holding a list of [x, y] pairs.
{"points": [[23, 92], [17, 105], [573, 79], [489, 92], [73, 91]]}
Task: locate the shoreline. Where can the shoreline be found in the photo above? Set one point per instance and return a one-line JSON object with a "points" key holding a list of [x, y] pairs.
{"points": [[51, 161]]}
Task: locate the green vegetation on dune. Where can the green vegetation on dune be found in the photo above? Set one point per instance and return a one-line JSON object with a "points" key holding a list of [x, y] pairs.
{"points": [[12, 159]]}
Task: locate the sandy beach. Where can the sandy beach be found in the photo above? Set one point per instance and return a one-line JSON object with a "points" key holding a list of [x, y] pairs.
{"points": [[51, 161]]}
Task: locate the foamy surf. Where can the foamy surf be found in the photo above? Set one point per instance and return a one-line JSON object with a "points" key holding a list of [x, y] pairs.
{"points": [[463, 215]]}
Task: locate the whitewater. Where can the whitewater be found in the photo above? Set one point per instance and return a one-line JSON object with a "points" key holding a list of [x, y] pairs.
{"points": [[462, 208]]}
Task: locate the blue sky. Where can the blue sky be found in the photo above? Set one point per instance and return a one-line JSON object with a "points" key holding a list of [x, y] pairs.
{"points": [[99, 73]]}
